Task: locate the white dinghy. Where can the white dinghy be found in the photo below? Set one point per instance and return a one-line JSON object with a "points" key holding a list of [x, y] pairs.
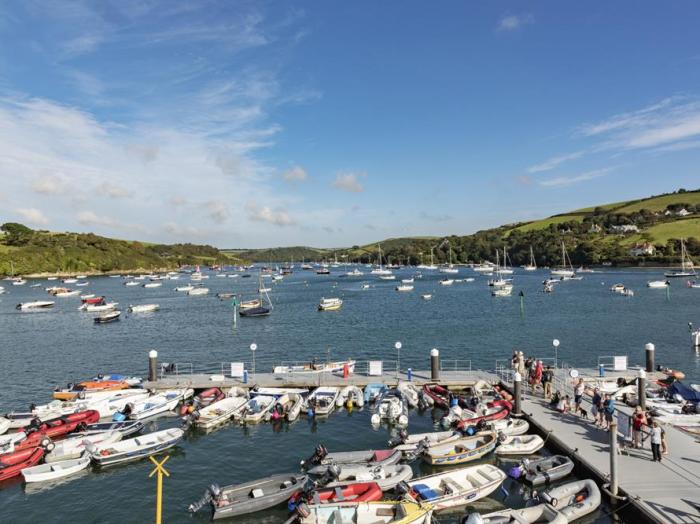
{"points": [[156, 404], [49, 472], [350, 396], [136, 448], [520, 445], [74, 447], [219, 412], [458, 487]]}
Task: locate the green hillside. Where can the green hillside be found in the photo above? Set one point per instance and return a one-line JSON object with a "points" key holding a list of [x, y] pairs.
{"points": [[30, 252]]}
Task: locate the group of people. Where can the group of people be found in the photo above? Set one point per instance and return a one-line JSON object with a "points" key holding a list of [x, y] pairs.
{"points": [[534, 372]]}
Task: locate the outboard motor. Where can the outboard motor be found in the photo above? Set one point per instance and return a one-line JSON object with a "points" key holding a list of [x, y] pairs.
{"points": [[398, 439], [319, 454], [211, 494]]}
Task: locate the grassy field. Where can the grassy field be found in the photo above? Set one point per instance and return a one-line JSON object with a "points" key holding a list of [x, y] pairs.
{"points": [[662, 233], [606, 207], [543, 224], [660, 203]]}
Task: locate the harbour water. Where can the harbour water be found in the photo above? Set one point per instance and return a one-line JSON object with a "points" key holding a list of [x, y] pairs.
{"points": [[47, 348]]}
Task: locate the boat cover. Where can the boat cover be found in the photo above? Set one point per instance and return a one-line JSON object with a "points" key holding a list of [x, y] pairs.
{"points": [[688, 394]]}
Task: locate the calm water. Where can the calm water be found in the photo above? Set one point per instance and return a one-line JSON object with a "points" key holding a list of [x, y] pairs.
{"points": [[41, 350]]}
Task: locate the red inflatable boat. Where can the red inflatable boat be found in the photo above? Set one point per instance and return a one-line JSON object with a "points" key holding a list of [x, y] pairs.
{"points": [[12, 464], [495, 410], [358, 492], [57, 428], [439, 394]]}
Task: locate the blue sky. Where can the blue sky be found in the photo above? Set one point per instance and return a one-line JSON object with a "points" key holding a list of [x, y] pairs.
{"points": [[250, 124]]}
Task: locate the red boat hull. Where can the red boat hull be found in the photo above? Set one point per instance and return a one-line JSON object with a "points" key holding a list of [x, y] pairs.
{"points": [[357, 492], [504, 408], [12, 464], [440, 395], [57, 428]]}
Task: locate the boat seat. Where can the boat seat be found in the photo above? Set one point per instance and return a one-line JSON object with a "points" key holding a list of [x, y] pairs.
{"points": [[451, 485], [256, 493], [425, 492]]}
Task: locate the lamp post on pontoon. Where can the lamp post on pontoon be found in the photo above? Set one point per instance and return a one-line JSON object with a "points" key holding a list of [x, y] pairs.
{"points": [[253, 348], [555, 343], [397, 345]]}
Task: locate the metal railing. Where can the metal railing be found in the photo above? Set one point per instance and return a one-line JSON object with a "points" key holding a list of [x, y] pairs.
{"points": [[608, 361], [455, 365]]}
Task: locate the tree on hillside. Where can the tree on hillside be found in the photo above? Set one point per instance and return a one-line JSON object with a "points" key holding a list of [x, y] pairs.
{"points": [[16, 234]]}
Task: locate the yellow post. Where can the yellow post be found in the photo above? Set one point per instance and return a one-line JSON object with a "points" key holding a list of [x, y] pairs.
{"points": [[159, 485]]}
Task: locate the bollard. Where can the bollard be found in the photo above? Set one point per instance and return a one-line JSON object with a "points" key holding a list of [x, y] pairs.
{"points": [[649, 347], [601, 370], [642, 389], [613, 457], [434, 364], [245, 376], [409, 374], [152, 365], [517, 382]]}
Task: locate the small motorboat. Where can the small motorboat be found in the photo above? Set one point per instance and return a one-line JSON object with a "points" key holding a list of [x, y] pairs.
{"points": [[151, 285], [157, 404], [179, 288], [12, 464], [520, 445], [508, 426], [318, 463], [546, 470], [447, 282], [257, 409], [391, 406], [322, 401], [241, 499], [658, 284], [330, 304], [218, 412], [74, 447], [373, 392], [426, 296], [404, 288], [126, 427], [91, 299], [439, 395], [461, 451], [381, 512], [496, 410], [350, 396], [287, 407], [409, 444], [202, 400], [255, 312], [560, 505], [135, 448], [198, 291], [4, 425], [37, 304], [108, 318], [88, 387], [143, 308], [387, 477], [410, 392], [131, 283], [99, 307], [66, 294], [617, 288], [353, 492], [49, 472], [457, 487]]}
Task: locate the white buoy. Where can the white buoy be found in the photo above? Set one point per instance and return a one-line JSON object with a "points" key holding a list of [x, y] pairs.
{"points": [[376, 419]]}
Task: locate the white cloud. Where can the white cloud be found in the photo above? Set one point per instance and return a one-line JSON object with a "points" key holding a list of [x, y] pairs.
{"points": [[564, 181], [348, 181], [217, 210], [670, 121], [513, 22], [265, 214], [49, 185], [177, 201], [33, 216], [553, 162], [181, 232], [296, 174], [90, 218], [113, 190]]}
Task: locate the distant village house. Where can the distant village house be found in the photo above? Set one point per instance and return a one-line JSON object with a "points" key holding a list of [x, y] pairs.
{"points": [[625, 228], [643, 250]]}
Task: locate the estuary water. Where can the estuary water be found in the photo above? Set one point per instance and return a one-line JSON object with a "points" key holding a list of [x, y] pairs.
{"points": [[48, 348]]}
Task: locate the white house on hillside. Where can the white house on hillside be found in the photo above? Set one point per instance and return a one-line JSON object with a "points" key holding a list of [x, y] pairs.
{"points": [[642, 250]]}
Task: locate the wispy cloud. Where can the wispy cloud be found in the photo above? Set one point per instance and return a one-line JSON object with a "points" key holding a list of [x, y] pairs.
{"points": [[669, 121], [265, 214], [553, 162], [349, 182], [564, 181], [112, 190], [50, 185], [92, 219], [33, 216], [217, 210], [295, 174], [513, 22]]}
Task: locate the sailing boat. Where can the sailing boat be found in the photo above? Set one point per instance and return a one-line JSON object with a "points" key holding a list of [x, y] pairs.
{"points": [[450, 268], [502, 287], [687, 269], [564, 270], [380, 270], [532, 265], [506, 270], [260, 310]]}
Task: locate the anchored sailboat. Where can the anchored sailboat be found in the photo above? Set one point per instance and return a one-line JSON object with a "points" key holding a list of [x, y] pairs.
{"points": [[687, 268], [260, 310], [532, 265], [565, 270]]}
